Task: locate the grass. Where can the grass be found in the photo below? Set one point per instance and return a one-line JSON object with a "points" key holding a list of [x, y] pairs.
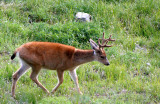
{"points": [[134, 72]]}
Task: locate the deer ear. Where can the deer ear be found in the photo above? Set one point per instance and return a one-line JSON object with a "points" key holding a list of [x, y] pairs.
{"points": [[93, 45]]}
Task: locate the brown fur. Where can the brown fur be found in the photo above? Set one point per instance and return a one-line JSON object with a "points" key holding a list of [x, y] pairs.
{"points": [[54, 56], [49, 55]]}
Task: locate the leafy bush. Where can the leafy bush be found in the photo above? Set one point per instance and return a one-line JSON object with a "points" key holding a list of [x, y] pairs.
{"points": [[71, 33]]}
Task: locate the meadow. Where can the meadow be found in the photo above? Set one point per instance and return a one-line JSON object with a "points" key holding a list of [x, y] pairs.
{"points": [[133, 76]]}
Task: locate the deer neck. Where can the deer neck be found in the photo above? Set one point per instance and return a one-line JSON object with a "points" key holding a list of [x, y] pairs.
{"points": [[83, 56]]}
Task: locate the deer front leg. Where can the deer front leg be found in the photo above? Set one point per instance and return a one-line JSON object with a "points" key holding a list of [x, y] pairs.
{"points": [[75, 79], [60, 80]]}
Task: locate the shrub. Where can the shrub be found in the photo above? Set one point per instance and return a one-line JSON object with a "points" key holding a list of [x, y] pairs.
{"points": [[71, 33]]}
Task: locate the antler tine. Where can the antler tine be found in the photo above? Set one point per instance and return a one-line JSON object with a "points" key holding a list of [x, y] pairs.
{"points": [[100, 43], [110, 38], [105, 41], [105, 45], [103, 35]]}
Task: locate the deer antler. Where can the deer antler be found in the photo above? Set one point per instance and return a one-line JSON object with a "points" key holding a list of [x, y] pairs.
{"points": [[105, 41]]}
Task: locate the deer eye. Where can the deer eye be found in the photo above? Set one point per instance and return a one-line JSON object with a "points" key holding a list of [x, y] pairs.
{"points": [[103, 57]]}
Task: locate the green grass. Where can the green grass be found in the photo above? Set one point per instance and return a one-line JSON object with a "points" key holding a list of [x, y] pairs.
{"points": [[135, 24]]}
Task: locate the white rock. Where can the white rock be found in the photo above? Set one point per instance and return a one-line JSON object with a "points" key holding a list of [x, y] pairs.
{"points": [[148, 64], [83, 17]]}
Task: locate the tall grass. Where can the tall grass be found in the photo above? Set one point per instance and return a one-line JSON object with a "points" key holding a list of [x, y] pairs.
{"points": [[132, 77]]}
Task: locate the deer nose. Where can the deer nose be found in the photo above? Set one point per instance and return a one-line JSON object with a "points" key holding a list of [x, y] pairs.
{"points": [[107, 64]]}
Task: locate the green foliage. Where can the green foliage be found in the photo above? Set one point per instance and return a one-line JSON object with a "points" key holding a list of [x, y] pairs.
{"points": [[71, 33], [55, 100], [133, 74]]}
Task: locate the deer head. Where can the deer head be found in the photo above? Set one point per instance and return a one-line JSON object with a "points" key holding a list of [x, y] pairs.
{"points": [[99, 52]]}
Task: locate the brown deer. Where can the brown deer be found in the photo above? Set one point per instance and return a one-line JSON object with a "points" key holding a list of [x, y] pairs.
{"points": [[59, 57]]}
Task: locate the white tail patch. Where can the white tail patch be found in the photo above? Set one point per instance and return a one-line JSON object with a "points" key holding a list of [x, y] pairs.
{"points": [[23, 63]]}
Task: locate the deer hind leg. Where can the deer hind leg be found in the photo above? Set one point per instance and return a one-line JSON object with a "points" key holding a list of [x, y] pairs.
{"points": [[60, 80], [75, 79], [34, 75], [17, 75]]}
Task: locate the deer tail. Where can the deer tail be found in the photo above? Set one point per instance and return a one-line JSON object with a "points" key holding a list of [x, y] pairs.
{"points": [[14, 55]]}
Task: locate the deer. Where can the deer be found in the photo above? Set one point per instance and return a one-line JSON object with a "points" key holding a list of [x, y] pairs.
{"points": [[58, 57]]}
